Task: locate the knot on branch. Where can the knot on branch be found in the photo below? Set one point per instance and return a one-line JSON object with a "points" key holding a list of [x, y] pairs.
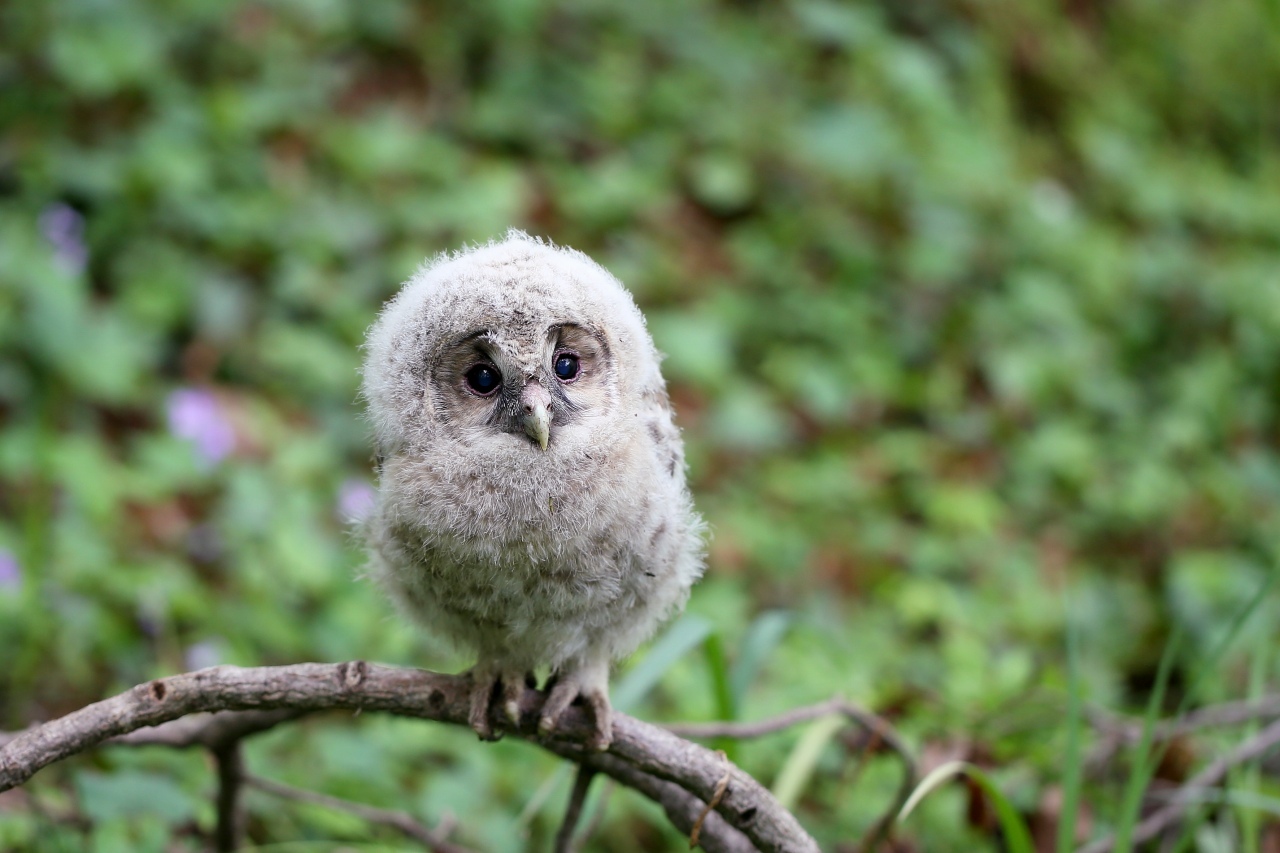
{"points": [[352, 674], [152, 692]]}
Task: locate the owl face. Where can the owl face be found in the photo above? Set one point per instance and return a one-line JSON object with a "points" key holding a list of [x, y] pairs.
{"points": [[513, 351], [526, 390]]}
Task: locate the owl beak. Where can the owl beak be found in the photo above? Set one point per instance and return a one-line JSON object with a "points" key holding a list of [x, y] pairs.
{"points": [[536, 420]]}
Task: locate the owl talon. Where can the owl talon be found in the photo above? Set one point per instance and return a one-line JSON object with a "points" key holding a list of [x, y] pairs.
{"points": [[512, 689], [589, 684], [486, 686], [602, 715], [482, 685]]}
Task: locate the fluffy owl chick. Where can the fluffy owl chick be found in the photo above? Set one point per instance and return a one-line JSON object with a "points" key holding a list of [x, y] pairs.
{"points": [[532, 504]]}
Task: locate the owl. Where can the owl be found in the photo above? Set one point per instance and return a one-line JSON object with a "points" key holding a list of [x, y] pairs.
{"points": [[532, 503]]}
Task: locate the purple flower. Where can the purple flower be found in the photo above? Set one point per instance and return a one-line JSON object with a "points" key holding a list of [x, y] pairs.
{"points": [[203, 654], [10, 571], [63, 226], [197, 415], [355, 500]]}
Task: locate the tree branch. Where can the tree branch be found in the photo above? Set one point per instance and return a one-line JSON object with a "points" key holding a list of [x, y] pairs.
{"points": [[639, 749]]}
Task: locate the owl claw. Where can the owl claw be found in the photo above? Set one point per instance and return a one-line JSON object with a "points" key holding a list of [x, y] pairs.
{"points": [[512, 689], [482, 684], [486, 685], [591, 684]]}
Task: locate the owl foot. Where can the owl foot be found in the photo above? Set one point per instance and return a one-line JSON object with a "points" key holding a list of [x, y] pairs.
{"points": [[488, 685], [589, 683]]}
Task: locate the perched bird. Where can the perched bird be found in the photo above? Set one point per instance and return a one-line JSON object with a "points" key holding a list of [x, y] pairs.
{"points": [[532, 504]]}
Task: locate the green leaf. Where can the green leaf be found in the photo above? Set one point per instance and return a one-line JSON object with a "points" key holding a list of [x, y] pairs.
{"points": [[133, 793], [678, 641]]}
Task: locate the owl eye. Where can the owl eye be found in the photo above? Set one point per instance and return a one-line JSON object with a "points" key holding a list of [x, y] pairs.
{"points": [[566, 366], [483, 379]]}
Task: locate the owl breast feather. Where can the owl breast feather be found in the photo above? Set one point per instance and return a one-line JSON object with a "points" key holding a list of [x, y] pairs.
{"points": [[535, 569]]}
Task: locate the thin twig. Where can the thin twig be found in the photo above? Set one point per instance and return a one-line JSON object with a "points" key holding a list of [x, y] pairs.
{"points": [[877, 726], [721, 787], [597, 816], [882, 829], [434, 840], [1118, 731], [1187, 794], [1224, 714], [230, 826], [573, 812], [756, 728]]}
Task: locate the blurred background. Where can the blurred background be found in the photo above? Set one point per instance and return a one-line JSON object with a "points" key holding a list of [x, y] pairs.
{"points": [[972, 323]]}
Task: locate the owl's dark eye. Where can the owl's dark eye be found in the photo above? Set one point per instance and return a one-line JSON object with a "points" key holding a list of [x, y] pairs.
{"points": [[483, 379], [567, 366]]}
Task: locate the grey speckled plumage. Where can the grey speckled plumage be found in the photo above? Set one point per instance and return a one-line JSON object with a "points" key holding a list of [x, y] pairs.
{"points": [[545, 521]]}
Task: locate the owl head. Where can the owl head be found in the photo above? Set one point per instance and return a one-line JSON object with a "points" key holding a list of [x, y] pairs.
{"points": [[517, 346]]}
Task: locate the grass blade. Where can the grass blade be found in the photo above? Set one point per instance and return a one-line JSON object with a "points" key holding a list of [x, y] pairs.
{"points": [[1144, 762], [1072, 760], [764, 635], [1249, 778], [1146, 759], [800, 764], [726, 707], [1017, 837], [1210, 664]]}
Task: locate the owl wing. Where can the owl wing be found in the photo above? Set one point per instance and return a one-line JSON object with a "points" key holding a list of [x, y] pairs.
{"points": [[661, 426]]}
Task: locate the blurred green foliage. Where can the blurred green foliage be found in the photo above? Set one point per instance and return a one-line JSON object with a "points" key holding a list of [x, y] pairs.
{"points": [[972, 314]]}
